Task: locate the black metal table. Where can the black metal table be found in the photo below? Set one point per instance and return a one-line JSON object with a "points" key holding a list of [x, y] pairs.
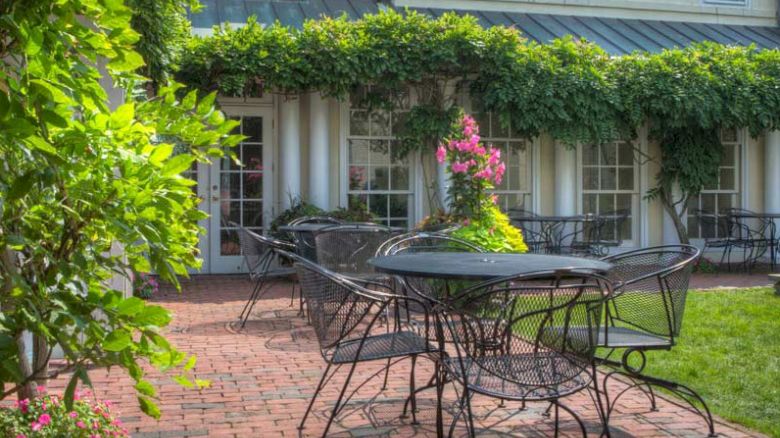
{"points": [[303, 235], [774, 238], [480, 266], [553, 229]]}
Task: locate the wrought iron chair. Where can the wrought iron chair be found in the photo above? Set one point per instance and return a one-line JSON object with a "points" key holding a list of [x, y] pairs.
{"points": [[646, 314], [579, 238], [718, 232], [345, 319], [609, 229], [261, 257], [753, 234], [535, 234], [304, 242], [527, 338], [346, 248]]}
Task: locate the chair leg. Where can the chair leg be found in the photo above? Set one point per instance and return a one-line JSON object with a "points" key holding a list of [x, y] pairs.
{"points": [[249, 300], [337, 407], [314, 397], [603, 415], [559, 405], [387, 373]]}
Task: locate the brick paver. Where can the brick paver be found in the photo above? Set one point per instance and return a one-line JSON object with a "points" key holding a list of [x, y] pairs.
{"points": [[263, 376]]}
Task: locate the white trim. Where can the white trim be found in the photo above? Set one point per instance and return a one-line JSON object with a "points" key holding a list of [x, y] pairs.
{"points": [[343, 165], [644, 186], [536, 177], [743, 170]]}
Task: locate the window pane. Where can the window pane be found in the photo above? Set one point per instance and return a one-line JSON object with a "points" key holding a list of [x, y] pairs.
{"points": [[589, 204], [358, 178], [253, 128], [252, 157], [399, 205], [229, 243], [590, 155], [606, 203], [625, 154], [253, 185], [399, 121], [379, 178], [728, 155], [728, 135], [727, 179], [358, 151], [624, 203], [725, 201], [380, 124], [358, 123], [377, 204], [357, 202], [590, 177], [708, 203], [608, 178], [609, 154], [230, 186], [399, 179], [625, 229], [626, 178], [380, 152], [495, 127], [253, 214], [483, 120], [693, 225]]}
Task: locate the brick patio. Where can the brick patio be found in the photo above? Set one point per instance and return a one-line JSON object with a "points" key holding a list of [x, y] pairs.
{"points": [[263, 376]]}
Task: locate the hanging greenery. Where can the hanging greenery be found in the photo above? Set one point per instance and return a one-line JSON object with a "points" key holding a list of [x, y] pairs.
{"points": [[570, 89]]}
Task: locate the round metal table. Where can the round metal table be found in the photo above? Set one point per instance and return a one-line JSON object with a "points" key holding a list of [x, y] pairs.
{"points": [[480, 266]]}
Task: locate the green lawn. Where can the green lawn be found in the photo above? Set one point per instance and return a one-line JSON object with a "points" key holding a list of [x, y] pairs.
{"points": [[729, 352]]}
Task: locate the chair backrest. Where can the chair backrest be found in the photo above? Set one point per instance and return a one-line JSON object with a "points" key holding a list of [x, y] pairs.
{"points": [[651, 288], [611, 223], [347, 248], [339, 309], [714, 224], [256, 254], [746, 227], [315, 220], [513, 327], [426, 242]]}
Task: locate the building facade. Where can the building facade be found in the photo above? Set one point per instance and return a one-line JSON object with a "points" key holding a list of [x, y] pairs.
{"points": [[337, 154]]}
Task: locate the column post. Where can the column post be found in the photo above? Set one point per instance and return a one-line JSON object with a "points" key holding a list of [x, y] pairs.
{"points": [[319, 156], [565, 180], [289, 150], [772, 173]]}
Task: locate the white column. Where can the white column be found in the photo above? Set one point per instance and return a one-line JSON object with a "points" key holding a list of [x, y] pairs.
{"points": [[670, 231], [772, 173], [442, 184], [565, 180], [319, 157], [289, 150]]}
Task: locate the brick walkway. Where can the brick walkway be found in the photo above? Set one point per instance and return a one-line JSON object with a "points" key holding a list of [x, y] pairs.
{"points": [[263, 376]]}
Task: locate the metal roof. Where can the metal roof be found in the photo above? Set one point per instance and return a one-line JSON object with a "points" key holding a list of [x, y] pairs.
{"points": [[615, 35]]}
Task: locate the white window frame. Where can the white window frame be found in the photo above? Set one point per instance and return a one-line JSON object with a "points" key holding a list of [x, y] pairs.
{"points": [[726, 3], [740, 183], [415, 186], [638, 219]]}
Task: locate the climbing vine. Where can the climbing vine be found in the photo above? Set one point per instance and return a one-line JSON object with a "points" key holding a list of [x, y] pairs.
{"points": [[570, 89]]}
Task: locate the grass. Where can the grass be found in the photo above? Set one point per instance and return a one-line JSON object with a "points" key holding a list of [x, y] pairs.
{"points": [[729, 351]]}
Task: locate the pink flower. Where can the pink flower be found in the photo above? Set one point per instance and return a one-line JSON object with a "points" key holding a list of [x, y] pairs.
{"points": [[80, 424], [495, 157], [44, 419], [41, 388], [94, 436], [466, 222], [35, 426], [73, 415], [500, 169], [479, 150], [458, 167], [21, 435], [494, 198], [23, 405], [441, 154], [485, 173]]}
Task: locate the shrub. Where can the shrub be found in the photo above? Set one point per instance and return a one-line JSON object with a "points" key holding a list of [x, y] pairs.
{"points": [[474, 168], [48, 416], [144, 285]]}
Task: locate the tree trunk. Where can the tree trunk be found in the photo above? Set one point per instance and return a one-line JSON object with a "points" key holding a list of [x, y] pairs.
{"points": [[667, 201]]}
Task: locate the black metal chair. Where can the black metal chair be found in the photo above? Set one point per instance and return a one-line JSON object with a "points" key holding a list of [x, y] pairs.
{"points": [[262, 257], [346, 248], [646, 314], [345, 319], [753, 234], [304, 242], [527, 338], [718, 232], [609, 231]]}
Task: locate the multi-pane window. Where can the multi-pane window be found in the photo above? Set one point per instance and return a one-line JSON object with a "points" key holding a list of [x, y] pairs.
{"points": [[609, 187], [378, 180], [515, 188], [241, 187], [715, 199]]}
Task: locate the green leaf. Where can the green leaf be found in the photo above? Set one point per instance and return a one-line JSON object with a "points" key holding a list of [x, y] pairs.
{"points": [[40, 144], [145, 388], [130, 306], [70, 391], [153, 316], [117, 340], [177, 164], [148, 407], [190, 363], [34, 42], [161, 153], [127, 60], [183, 381], [123, 115], [206, 105]]}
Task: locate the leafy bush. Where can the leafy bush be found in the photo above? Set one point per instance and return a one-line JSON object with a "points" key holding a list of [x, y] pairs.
{"points": [[301, 208], [48, 416], [144, 285], [474, 169]]}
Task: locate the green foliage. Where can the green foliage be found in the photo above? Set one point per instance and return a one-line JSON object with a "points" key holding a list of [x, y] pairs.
{"points": [[163, 30], [89, 194], [493, 232], [301, 208]]}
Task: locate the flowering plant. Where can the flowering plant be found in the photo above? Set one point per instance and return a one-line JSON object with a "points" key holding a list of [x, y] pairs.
{"points": [[47, 416], [474, 169], [144, 285]]}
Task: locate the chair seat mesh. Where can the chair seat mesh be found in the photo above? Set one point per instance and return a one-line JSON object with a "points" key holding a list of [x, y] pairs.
{"points": [[540, 376], [381, 347]]}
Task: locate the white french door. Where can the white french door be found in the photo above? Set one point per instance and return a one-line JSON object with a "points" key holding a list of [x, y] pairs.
{"points": [[240, 194]]}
